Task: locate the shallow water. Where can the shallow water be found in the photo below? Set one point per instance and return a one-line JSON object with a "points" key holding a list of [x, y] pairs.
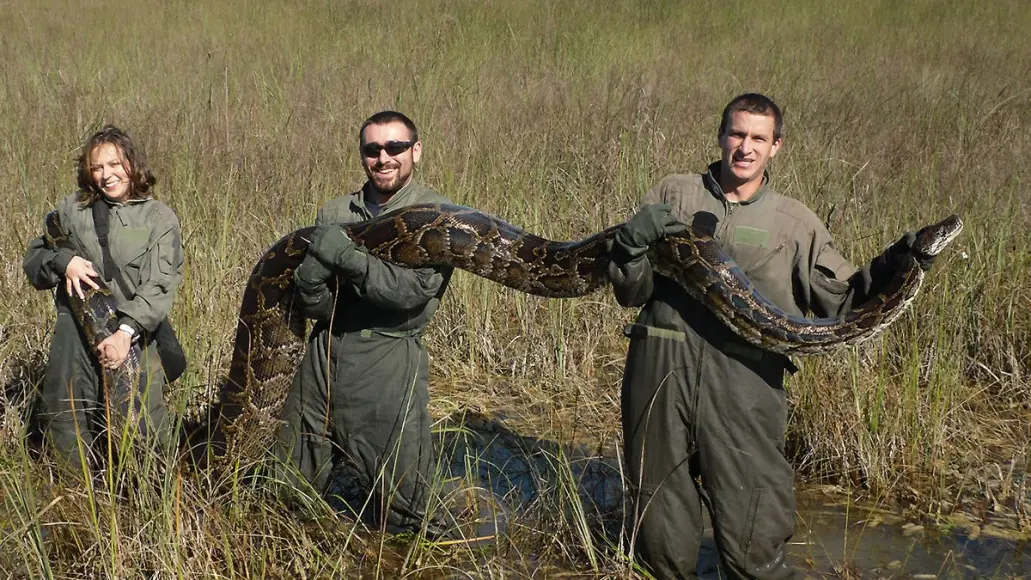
{"points": [[833, 538], [874, 544]]}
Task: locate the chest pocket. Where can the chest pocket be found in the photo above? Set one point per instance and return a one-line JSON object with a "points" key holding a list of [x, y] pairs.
{"points": [[129, 250], [766, 260], [755, 250]]}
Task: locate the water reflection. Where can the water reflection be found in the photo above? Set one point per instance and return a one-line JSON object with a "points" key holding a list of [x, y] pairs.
{"points": [[876, 545], [523, 473], [523, 469]]}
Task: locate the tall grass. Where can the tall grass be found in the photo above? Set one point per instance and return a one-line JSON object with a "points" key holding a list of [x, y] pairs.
{"points": [[556, 116]]}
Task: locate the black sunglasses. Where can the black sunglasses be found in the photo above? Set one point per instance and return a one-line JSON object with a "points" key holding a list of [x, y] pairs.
{"points": [[393, 148]]}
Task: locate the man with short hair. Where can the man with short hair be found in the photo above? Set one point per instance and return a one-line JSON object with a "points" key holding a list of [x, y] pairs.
{"points": [[362, 390], [697, 400]]}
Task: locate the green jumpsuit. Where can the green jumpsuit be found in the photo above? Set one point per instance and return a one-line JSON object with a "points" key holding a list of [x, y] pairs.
{"points": [[361, 393], [698, 400], [146, 245]]}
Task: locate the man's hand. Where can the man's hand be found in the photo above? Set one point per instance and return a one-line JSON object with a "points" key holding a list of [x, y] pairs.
{"points": [[649, 225], [331, 246], [902, 250], [329, 243], [311, 273], [113, 350], [78, 272]]}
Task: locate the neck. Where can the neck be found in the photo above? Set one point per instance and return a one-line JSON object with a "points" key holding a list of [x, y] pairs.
{"points": [[736, 191], [381, 197], [377, 197]]}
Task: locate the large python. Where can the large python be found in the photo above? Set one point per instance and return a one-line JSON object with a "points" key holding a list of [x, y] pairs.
{"points": [[97, 316], [270, 332]]}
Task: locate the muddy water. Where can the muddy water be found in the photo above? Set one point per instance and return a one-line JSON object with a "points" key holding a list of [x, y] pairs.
{"points": [[833, 538]]}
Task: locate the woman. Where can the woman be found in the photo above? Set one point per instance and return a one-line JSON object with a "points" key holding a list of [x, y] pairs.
{"points": [[146, 263]]}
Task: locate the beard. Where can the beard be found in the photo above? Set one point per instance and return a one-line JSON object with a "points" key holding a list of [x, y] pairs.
{"points": [[388, 184]]}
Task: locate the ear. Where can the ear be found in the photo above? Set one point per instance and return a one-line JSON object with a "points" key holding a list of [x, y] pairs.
{"points": [[776, 147], [416, 151]]}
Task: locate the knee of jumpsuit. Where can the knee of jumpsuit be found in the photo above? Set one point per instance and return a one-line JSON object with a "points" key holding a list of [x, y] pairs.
{"points": [[70, 393], [669, 526], [666, 527], [152, 385], [395, 459], [303, 453], [741, 422], [398, 481], [656, 406], [383, 421]]}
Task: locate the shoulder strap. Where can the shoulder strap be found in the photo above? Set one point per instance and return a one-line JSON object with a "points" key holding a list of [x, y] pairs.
{"points": [[102, 223]]}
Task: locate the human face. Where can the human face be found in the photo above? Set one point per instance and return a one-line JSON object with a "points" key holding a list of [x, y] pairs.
{"points": [[110, 171], [748, 145], [389, 173]]}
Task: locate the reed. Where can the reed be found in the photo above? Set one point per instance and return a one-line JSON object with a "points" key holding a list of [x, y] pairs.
{"points": [[556, 116]]}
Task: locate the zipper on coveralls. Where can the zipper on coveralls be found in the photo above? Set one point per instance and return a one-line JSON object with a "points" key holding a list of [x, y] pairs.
{"points": [[728, 212]]}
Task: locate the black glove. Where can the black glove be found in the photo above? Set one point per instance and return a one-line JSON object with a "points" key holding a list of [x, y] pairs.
{"points": [[649, 225], [925, 260], [311, 275], [900, 252], [871, 281], [331, 246]]}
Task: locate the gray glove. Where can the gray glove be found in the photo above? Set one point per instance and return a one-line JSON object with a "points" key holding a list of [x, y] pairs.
{"points": [[311, 278], [311, 275], [649, 225], [331, 246]]}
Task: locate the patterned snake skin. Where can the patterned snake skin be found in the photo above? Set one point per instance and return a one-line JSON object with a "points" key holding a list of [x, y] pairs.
{"points": [[97, 316], [270, 334]]}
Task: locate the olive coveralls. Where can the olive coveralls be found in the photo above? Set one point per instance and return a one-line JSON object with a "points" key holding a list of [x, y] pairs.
{"points": [[146, 245], [362, 390], [698, 400]]}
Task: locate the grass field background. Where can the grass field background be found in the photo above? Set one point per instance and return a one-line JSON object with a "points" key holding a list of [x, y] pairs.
{"points": [[556, 116]]}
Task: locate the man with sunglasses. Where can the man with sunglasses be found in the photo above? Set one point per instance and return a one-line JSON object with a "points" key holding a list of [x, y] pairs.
{"points": [[697, 400], [361, 393]]}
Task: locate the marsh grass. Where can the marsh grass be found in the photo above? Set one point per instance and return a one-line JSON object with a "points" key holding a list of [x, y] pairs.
{"points": [[556, 116]]}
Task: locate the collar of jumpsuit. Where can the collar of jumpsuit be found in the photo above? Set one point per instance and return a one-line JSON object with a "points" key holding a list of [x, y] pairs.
{"points": [[712, 183]]}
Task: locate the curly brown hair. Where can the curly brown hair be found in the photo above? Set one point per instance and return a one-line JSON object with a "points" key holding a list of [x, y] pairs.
{"points": [[140, 177]]}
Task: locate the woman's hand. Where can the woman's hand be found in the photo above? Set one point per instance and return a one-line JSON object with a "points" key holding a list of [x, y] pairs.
{"points": [[79, 271], [113, 350]]}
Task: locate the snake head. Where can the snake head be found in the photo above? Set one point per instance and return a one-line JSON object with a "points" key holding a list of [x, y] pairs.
{"points": [[931, 240]]}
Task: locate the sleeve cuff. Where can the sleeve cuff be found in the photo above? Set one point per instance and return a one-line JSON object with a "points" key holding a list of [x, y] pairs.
{"points": [[356, 268], [623, 251], [131, 324], [60, 263], [318, 305]]}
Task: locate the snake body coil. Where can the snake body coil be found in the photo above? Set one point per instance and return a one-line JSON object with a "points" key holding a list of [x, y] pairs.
{"points": [[270, 333], [97, 316]]}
